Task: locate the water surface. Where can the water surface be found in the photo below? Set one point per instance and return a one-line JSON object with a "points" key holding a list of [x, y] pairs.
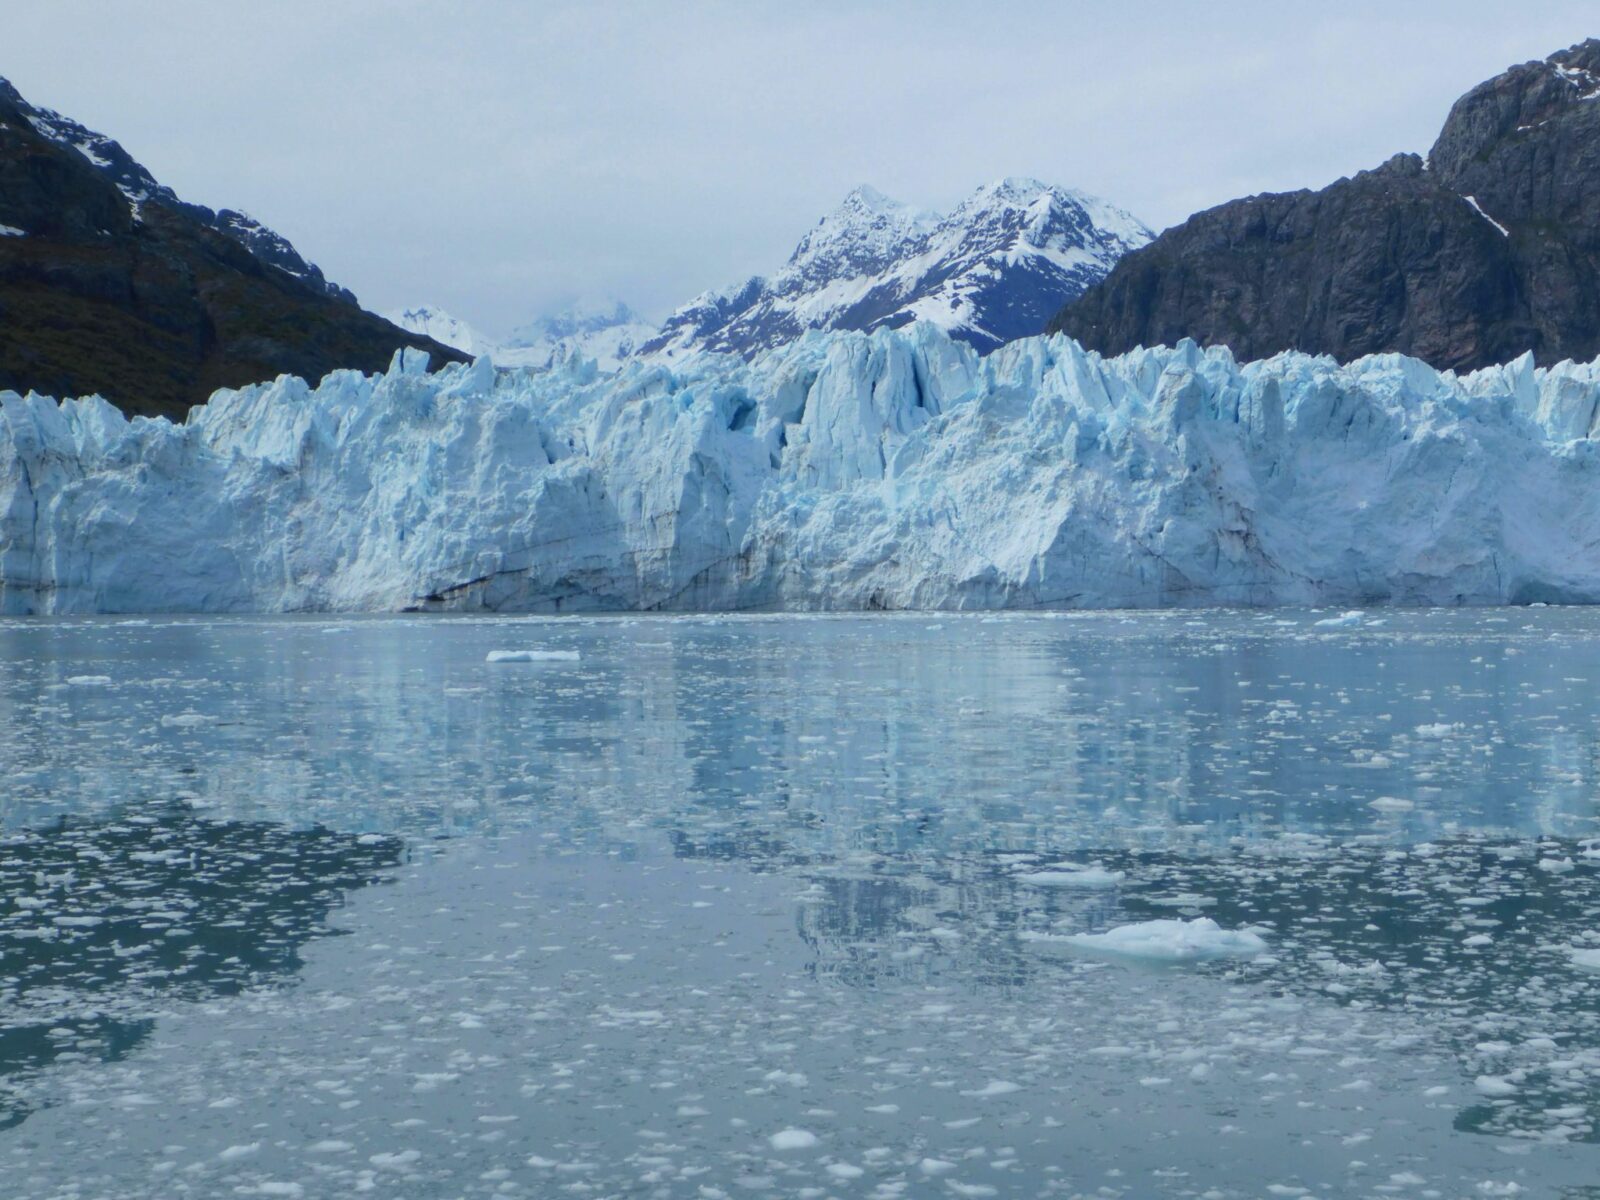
{"points": [[760, 906]]}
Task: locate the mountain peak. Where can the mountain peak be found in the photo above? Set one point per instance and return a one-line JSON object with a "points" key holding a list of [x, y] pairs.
{"points": [[858, 237], [993, 269]]}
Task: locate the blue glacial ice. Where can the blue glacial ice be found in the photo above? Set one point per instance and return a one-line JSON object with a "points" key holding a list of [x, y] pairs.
{"points": [[844, 471]]}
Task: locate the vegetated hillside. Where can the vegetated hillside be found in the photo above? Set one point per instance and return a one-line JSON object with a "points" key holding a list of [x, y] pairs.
{"points": [[109, 287]]}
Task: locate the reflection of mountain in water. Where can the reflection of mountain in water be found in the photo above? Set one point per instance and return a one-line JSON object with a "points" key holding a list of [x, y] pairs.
{"points": [[100, 920]]}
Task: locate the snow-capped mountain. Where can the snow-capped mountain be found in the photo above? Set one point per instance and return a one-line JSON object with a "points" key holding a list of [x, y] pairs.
{"points": [[896, 469], [606, 333], [995, 269], [442, 327], [108, 157]]}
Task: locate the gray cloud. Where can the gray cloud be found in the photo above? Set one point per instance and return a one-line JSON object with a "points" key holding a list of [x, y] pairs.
{"points": [[502, 158]]}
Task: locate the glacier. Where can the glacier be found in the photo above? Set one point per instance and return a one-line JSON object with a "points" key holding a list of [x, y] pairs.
{"points": [[892, 470]]}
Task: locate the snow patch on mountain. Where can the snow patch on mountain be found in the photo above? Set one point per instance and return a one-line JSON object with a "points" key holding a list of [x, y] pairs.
{"points": [[995, 269], [847, 471]]}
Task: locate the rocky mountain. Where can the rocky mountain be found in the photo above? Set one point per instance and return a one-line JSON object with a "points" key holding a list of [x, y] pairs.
{"points": [[896, 469], [1488, 248], [110, 284], [138, 185], [992, 270], [607, 333]]}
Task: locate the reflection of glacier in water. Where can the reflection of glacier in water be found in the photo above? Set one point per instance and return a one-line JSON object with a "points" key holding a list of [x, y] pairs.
{"points": [[816, 873], [841, 735]]}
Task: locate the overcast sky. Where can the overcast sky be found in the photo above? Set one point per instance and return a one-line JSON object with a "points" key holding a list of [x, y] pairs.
{"points": [[501, 159]]}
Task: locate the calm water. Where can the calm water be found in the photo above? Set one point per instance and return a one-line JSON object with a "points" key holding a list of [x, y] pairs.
{"points": [[774, 906]]}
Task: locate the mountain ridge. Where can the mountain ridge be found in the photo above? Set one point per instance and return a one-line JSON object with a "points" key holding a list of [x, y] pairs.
{"points": [[110, 284]]}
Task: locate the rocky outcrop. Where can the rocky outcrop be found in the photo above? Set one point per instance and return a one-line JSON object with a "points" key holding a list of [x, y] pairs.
{"points": [[1489, 248]]}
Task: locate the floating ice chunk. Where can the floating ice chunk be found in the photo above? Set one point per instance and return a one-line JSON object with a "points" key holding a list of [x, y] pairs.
{"points": [[1342, 621], [1436, 731], [89, 680], [1072, 876], [1392, 804], [1495, 1085], [1586, 960], [397, 1161], [528, 656], [1171, 940], [792, 1139], [185, 720], [995, 1087], [1556, 866]]}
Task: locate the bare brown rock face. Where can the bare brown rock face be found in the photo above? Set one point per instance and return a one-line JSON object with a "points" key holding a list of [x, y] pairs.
{"points": [[1489, 249]]}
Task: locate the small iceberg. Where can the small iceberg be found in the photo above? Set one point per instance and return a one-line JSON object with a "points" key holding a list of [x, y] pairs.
{"points": [[1347, 620], [527, 656], [1070, 875], [1170, 940], [1586, 960]]}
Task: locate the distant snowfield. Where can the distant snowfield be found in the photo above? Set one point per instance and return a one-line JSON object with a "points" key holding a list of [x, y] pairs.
{"points": [[846, 471]]}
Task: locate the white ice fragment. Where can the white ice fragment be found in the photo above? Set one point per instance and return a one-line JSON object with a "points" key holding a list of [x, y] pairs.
{"points": [[528, 656], [1495, 1085], [1070, 876], [398, 1161], [1585, 960], [185, 720], [1392, 804], [1346, 620], [89, 680], [792, 1139], [1170, 941], [995, 1087]]}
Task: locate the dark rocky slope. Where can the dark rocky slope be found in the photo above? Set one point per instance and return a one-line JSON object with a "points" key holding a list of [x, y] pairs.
{"points": [[1488, 249], [110, 284]]}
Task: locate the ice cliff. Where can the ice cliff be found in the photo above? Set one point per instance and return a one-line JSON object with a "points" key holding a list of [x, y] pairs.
{"points": [[896, 469]]}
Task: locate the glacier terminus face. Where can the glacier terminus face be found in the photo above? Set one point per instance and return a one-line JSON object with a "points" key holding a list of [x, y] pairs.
{"points": [[897, 469]]}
